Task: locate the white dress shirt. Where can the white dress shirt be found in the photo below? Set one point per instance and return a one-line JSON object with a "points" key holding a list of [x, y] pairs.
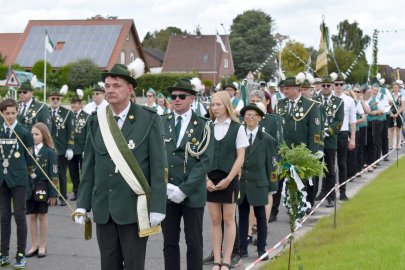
{"points": [[253, 132], [123, 115], [349, 111], [91, 107], [38, 148], [185, 120]]}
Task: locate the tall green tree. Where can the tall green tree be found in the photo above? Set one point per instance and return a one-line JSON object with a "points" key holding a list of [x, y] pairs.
{"points": [[38, 69], [252, 42], [83, 73], [290, 63], [2, 58], [350, 37], [159, 39]]}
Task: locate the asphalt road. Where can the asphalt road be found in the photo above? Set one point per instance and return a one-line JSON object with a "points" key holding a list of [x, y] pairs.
{"points": [[68, 250]]}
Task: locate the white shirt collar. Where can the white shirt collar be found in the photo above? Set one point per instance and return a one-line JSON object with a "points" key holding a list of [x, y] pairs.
{"points": [[124, 113], [11, 127], [227, 121], [184, 116], [38, 148], [28, 103], [254, 132]]}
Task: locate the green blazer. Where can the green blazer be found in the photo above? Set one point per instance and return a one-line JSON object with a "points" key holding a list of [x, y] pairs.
{"points": [[37, 112], [303, 125], [332, 115], [62, 130], [19, 164], [106, 192], [271, 123], [46, 158], [258, 170], [80, 129], [190, 178]]}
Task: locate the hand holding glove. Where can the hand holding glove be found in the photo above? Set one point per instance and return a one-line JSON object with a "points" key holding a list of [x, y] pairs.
{"points": [[80, 215], [156, 218], [69, 154], [177, 196]]}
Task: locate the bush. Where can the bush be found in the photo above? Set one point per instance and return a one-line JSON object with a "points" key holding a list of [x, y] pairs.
{"points": [[38, 69], [3, 71], [83, 73]]}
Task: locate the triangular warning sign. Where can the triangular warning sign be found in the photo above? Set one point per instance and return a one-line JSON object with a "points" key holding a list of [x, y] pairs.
{"points": [[12, 79]]}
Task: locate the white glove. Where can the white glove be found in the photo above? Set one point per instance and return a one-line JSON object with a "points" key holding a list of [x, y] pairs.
{"points": [[170, 189], [177, 196], [156, 218], [80, 218], [83, 155], [69, 154]]}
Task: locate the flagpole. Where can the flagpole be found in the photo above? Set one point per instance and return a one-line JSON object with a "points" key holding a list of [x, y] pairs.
{"points": [[45, 72], [215, 60]]}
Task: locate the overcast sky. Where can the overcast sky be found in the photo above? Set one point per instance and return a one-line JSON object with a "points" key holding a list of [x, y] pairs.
{"points": [[300, 19]]}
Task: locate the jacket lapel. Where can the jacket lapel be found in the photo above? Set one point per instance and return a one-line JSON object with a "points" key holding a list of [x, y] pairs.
{"points": [[129, 127], [256, 143], [191, 130]]}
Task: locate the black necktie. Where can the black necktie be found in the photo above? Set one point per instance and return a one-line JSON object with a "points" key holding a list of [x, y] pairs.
{"points": [[325, 102], [116, 118], [76, 114], [291, 107], [7, 132], [250, 139], [178, 127], [53, 113], [23, 110]]}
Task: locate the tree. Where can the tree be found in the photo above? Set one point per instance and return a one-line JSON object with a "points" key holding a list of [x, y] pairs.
{"points": [[159, 39], [290, 64], [83, 73], [350, 37], [252, 42], [2, 58], [38, 69]]}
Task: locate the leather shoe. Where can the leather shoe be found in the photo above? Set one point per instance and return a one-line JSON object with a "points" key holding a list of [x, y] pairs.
{"points": [[330, 203], [273, 218], [260, 253], [42, 255], [319, 197], [343, 197], [73, 199], [31, 254]]}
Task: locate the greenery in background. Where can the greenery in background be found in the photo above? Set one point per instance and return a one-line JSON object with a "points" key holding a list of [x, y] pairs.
{"points": [[252, 42], [350, 37], [368, 232], [38, 69], [290, 64], [83, 73], [374, 65], [160, 39]]}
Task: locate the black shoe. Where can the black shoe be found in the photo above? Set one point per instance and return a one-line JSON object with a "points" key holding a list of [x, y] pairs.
{"points": [[62, 203], [31, 254], [273, 218], [244, 254], [235, 260], [250, 239], [42, 255], [209, 259], [260, 253], [386, 159], [73, 199], [343, 197], [330, 203], [255, 242], [319, 197]]}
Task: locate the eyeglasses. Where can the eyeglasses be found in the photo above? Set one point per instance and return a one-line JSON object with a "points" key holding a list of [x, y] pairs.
{"points": [[248, 115], [180, 96], [326, 85], [96, 93], [357, 91], [55, 98], [339, 84], [149, 95], [23, 92]]}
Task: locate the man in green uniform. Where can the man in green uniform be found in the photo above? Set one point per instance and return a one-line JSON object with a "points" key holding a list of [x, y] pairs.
{"points": [[30, 110], [123, 178], [189, 155], [62, 132], [236, 103], [332, 115]]}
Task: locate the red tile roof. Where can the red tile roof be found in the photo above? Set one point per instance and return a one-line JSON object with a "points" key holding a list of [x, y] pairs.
{"points": [[8, 43]]}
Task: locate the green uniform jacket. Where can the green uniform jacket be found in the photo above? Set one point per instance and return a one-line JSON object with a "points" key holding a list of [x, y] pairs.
{"points": [[190, 178], [17, 170], [271, 124], [258, 170], [303, 126], [37, 112], [106, 192], [80, 127], [62, 130], [332, 115], [48, 161]]}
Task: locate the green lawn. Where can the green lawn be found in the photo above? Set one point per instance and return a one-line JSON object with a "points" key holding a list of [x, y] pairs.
{"points": [[370, 231]]}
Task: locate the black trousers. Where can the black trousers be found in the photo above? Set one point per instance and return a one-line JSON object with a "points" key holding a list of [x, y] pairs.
{"points": [[62, 164], [193, 226], [361, 139], [384, 135], [373, 146], [342, 150], [75, 166], [260, 214], [119, 245], [19, 197], [277, 198], [329, 180]]}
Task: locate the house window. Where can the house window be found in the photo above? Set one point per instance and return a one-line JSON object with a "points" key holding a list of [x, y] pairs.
{"points": [[226, 64], [205, 58], [59, 45], [131, 57], [127, 38], [122, 58]]}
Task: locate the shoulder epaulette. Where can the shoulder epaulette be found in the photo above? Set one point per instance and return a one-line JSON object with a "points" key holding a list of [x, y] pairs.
{"points": [[149, 109]]}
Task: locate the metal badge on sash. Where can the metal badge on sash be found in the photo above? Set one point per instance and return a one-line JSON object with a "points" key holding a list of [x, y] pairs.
{"points": [[17, 154]]}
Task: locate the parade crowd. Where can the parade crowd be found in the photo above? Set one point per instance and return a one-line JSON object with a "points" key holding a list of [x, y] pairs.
{"points": [[142, 169]]}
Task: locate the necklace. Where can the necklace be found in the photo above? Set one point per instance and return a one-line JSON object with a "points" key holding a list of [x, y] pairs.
{"points": [[5, 159]]}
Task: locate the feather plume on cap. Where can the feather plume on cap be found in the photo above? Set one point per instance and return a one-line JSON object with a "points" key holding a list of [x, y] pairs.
{"points": [[236, 84], [196, 82], [300, 78], [101, 84], [218, 87], [400, 82], [136, 68], [344, 75], [34, 81], [262, 107], [80, 93], [378, 76], [381, 81], [334, 76], [309, 77], [63, 91], [282, 75]]}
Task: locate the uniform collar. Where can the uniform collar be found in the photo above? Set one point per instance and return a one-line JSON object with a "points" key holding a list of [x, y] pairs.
{"points": [[227, 121], [124, 113]]}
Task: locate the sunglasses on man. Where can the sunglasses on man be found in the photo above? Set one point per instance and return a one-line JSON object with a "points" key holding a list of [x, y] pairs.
{"points": [[55, 98], [180, 96], [23, 92], [326, 85], [339, 84]]}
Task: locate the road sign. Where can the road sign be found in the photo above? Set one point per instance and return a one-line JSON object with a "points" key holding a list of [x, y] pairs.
{"points": [[12, 79]]}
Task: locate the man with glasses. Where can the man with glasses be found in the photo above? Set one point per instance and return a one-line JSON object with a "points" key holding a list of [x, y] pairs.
{"points": [[62, 132], [31, 111], [189, 155], [332, 115], [346, 140], [99, 101]]}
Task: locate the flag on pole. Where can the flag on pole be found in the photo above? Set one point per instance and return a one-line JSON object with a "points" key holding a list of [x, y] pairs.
{"points": [[219, 40], [48, 43], [322, 59]]}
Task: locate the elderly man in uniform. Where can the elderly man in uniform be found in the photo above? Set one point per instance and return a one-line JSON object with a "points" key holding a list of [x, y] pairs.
{"points": [[62, 132], [123, 178], [98, 97], [31, 111], [189, 155]]}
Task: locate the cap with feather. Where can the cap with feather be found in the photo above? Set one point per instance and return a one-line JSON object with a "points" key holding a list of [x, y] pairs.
{"points": [[99, 87], [182, 84], [63, 91], [80, 93], [34, 81], [129, 73], [196, 83]]}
